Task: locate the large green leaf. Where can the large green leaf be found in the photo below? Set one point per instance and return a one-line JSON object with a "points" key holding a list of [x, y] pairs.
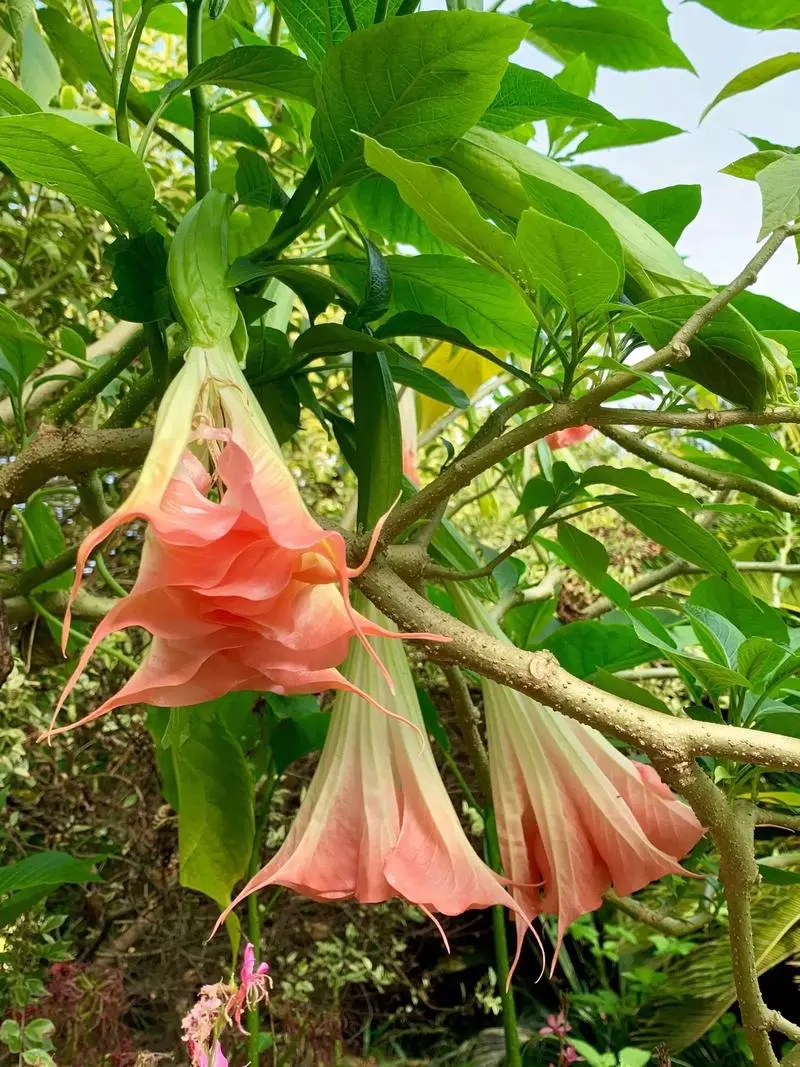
{"points": [[43, 540], [39, 75], [489, 165], [668, 210], [612, 38], [628, 132], [317, 25], [755, 76], [260, 69], [214, 794], [757, 14], [567, 263], [464, 296], [653, 10], [384, 214], [725, 355], [668, 526], [45, 869], [699, 988], [14, 102], [527, 95], [584, 647], [414, 84], [445, 205], [85, 166], [780, 193], [379, 446]]}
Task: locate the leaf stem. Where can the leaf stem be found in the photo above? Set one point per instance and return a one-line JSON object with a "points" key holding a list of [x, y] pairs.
{"points": [[381, 8], [200, 112], [349, 14], [98, 35], [95, 383], [135, 37]]}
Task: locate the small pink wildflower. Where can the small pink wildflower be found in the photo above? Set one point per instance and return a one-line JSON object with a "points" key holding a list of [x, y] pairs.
{"points": [[557, 1025], [200, 1024], [255, 984], [570, 1055]]}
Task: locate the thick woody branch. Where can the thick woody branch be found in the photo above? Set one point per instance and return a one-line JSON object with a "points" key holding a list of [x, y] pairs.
{"points": [[69, 452], [765, 817], [737, 483], [539, 675], [705, 421]]}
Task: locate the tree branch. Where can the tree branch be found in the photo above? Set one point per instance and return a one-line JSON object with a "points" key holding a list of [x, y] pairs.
{"points": [[68, 452], [667, 924], [539, 675], [737, 483]]}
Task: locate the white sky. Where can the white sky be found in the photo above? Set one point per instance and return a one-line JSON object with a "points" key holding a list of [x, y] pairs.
{"points": [[723, 236]]}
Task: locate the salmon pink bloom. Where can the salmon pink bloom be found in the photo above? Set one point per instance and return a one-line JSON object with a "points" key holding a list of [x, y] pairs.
{"points": [[573, 435], [376, 822], [407, 406], [239, 586], [574, 815]]}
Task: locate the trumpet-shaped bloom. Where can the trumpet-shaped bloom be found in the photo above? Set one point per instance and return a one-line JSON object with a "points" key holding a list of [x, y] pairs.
{"points": [[574, 815], [377, 822], [239, 585]]}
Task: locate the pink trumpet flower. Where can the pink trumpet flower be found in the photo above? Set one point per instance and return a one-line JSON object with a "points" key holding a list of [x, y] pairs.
{"points": [[574, 815], [239, 585], [377, 822], [573, 435]]}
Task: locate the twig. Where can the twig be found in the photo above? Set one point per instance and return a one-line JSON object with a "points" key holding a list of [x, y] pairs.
{"points": [[97, 381], [737, 483], [468, 719], [667, 924]]}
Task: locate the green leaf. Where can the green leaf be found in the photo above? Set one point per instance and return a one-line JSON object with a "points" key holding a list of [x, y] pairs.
{"points": [[588, 556], [628, 132], [430, 716], [668, 526], [777, 875], [527, 95], [14, 327], [265, 70], [622, 687], [538, 493], [757, 657], [378, 288], [640, 483], [39, 75], [14, 102], [384, 214], [757, 14], [215, 798], [718, 637], [565, 206], [652, 10], [749, 167], [611, 38], [447, 208], [294, 738], [85, 166], [668, 210], [42, 540], [750, 615], [45, 869], [331, 338], [139, 271], [572, 267], [255, 184], [582, 648], [604, 179], [410, 372], [316, 25], [430, 79], [765, 313], [755, 76], [465, 297], [725, 355], [780, 192], [379, 448]]}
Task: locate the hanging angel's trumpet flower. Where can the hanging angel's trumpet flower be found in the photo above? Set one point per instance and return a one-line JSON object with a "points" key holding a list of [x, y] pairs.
{"points": [[239, 585], [377, 822], [574, 816], [573, 435]]}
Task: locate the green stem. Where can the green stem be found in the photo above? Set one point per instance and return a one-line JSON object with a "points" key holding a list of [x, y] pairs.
{"points": [[349, 14], [253, 916], [275, 25], [95, 383], [510, 1029], [118, 65], [381, 7], [159, 357], [294, 211], [126, 75], [200, 111], [141, 395]]}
